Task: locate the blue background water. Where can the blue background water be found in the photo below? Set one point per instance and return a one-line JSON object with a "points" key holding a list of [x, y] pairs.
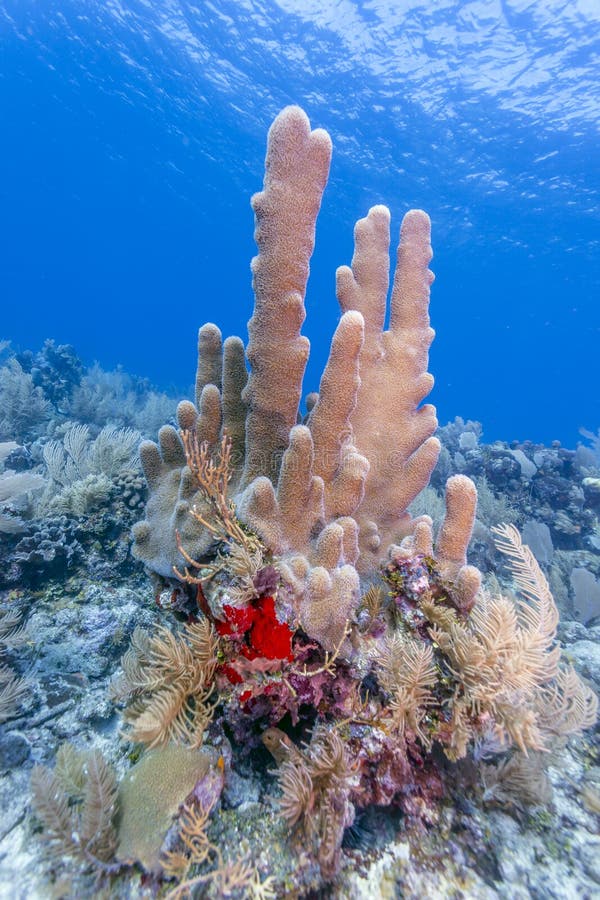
{"points": [[133, 134]]}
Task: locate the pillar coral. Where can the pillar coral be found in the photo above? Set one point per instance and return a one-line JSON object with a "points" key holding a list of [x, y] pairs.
{"points": [[327, 497], [390, 427]]}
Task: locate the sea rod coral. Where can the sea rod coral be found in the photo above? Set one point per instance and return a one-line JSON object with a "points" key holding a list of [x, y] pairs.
{"points": [[321, 620]]}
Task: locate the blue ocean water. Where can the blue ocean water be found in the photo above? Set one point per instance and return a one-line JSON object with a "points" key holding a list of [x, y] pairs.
{"points": [[134, 133]]}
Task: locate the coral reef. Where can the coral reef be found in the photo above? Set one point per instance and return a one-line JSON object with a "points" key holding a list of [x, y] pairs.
{"points": [[56, 370], [315, 615], [22, 403], [549, 492], [120, 399], [80, 470], [14, 486]]}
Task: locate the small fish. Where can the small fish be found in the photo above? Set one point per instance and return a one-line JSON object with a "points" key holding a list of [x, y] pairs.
{"points": [[208, 788], [279, 745]]}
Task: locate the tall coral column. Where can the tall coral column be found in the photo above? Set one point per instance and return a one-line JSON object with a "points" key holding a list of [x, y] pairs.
{"points": [[296, 170], [390, 427]]}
